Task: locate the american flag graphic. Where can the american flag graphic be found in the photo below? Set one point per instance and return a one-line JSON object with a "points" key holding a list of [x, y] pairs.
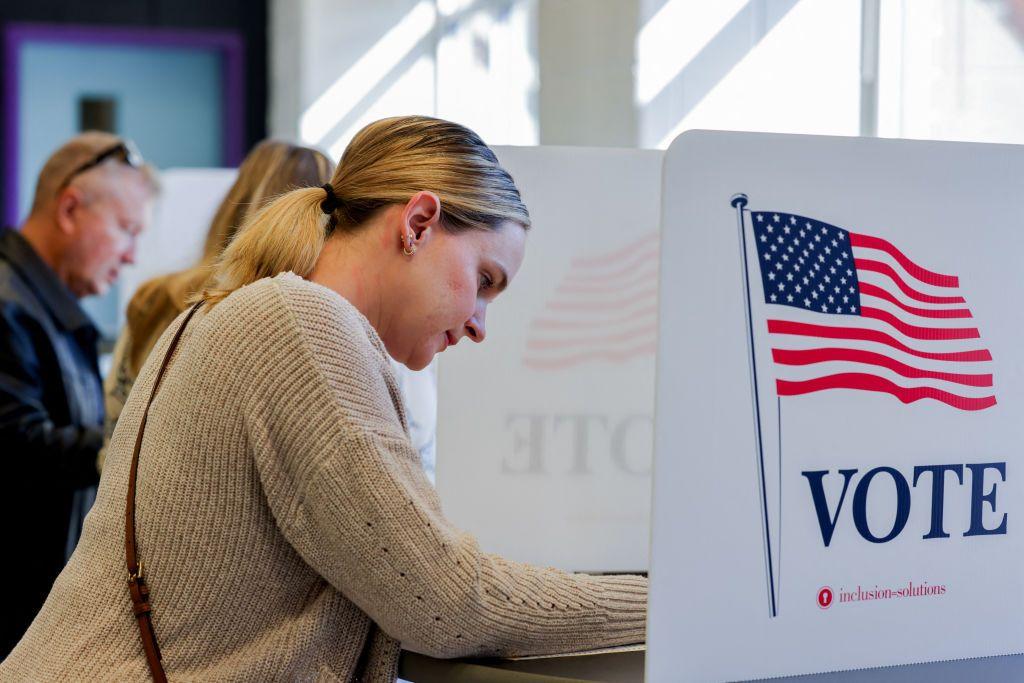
{"points": [[604, 310], [852, 311]]}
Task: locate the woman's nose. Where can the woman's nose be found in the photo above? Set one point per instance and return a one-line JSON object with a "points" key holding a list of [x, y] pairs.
{"points": [[475, 328]]}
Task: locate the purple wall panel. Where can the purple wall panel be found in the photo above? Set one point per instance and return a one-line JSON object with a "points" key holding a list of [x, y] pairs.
{"points": [[16, 35]]}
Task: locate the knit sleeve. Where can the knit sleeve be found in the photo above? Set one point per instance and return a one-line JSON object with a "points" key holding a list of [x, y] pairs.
{"points": [[347, 491]]}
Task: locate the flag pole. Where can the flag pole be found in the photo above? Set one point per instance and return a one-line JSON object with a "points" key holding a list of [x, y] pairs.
{"points": [[739, 202]]}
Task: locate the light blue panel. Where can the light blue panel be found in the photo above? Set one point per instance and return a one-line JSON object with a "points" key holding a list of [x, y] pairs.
{"points": [[169, 100]]}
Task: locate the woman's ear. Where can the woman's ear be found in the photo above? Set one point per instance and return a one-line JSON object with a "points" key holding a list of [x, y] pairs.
{"points": [[420, 219]]}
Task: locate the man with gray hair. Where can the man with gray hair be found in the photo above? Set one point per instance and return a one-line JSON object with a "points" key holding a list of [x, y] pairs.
{"points": [[92, 200]]}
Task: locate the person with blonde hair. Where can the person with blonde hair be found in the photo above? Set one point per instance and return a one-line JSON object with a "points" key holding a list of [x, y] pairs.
{"points": [[270, 169], [92, 199], [278, 524]]}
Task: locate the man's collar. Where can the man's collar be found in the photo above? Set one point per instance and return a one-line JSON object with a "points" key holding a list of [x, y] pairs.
{"points": [[58, 298]]}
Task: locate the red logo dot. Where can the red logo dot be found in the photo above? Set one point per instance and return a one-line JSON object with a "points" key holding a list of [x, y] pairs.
{"points": [[825, 598]]}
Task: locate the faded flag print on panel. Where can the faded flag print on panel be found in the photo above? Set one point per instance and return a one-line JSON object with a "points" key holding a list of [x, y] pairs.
{"points": [[604, 310], [853, 311]]}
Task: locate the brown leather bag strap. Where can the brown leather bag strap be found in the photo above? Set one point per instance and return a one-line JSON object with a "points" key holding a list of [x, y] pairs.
{"points": [[137, 588]]}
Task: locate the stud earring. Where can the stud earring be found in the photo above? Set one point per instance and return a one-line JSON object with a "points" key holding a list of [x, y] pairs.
{"points": [[410, 247]]}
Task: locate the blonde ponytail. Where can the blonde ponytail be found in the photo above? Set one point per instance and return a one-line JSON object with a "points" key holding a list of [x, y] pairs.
{"points": [[286, 235]]}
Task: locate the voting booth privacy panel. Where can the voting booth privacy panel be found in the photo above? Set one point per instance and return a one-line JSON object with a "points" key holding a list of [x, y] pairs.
{"points": [[545, 431], [839, 402]]}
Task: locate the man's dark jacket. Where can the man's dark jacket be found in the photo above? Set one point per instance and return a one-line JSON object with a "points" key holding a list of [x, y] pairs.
{"points": [[51, 416]]}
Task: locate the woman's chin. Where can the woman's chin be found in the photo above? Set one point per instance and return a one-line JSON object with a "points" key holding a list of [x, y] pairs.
{"points": [[418, 361]]}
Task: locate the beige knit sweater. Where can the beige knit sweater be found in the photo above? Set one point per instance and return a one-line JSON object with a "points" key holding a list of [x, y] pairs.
{"points": [[286, 527]]}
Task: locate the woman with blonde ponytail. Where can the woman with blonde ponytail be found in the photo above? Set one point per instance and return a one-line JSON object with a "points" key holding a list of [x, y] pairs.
{"points": [[279, 525]]}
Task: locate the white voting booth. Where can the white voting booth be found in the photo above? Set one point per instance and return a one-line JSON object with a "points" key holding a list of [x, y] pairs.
{"points": [[545, 430], [839, 401]]}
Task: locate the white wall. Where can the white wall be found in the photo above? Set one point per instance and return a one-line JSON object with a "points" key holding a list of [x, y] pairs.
{"points": [[518, 72], [337, 65], [586, 57], [635, 73]]}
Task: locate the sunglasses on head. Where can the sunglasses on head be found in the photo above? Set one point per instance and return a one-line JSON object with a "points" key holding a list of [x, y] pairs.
{"points": [[125, 150]]}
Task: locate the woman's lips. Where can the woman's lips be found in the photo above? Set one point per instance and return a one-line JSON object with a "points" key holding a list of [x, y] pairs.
{"points": [[448, 339]]}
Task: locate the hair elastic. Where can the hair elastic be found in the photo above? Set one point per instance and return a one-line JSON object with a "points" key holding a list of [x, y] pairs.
{"points": [[331, 201]]}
